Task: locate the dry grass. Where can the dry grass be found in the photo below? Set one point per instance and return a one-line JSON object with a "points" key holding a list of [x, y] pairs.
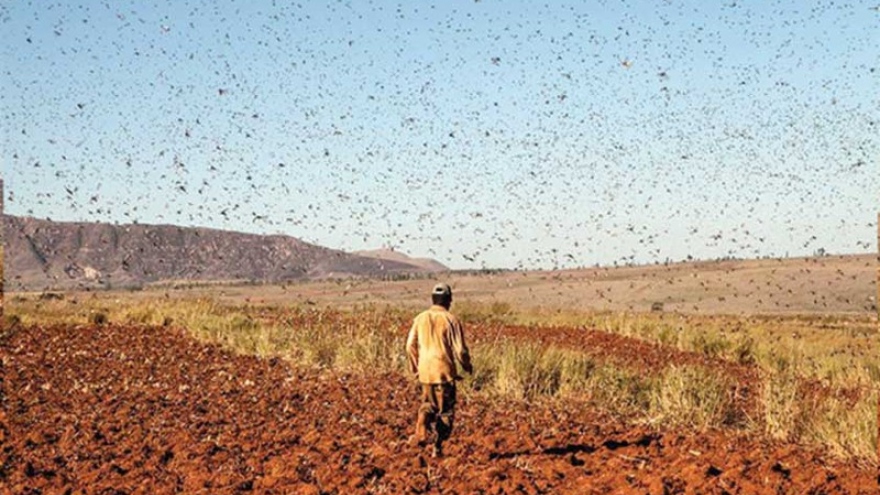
{"points": [[688, 396], [680, 396], [829, 348], [840, 416]]}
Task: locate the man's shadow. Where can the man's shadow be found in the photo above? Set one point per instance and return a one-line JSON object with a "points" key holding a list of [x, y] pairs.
{"points": [[610, 444]]}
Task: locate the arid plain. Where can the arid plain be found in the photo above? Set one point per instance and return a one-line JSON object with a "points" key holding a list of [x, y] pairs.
{"points": [[757, 376]]}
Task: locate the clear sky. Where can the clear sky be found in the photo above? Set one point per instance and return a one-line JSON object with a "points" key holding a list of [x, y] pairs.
{"points": [[483, 134]]}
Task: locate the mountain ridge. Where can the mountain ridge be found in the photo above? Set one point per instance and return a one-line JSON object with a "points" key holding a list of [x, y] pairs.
{"points": [[48, 255]]}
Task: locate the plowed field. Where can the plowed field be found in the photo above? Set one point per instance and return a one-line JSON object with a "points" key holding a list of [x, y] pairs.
{"points": [[118, 409]]}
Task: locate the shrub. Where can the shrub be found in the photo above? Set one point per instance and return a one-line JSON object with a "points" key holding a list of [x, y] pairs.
{"points": [[98, 318]]}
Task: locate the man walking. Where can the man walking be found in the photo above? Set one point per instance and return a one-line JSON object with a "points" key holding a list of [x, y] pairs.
{"points": [[434, 345]]}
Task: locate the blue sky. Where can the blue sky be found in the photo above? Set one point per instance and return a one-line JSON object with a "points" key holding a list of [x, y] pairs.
{"points": [[498, 134]]}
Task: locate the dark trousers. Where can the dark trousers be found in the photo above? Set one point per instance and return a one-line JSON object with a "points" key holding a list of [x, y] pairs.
{"points": [[437, 412]]}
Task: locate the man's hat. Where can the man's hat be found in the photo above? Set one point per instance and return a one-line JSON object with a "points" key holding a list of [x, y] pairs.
{"points": [[442, 290]]}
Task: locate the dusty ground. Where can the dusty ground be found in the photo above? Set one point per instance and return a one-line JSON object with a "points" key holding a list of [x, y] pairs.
{"points": [[827, 285], [148, 410]]}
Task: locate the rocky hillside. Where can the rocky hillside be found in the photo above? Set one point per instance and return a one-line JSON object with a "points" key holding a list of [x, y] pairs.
{"points": [[44, 255]]}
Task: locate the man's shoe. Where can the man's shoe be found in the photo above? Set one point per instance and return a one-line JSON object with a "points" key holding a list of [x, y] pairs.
{"points": [[416, 441]]}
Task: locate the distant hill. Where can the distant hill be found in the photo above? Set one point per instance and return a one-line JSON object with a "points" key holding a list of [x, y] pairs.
{"points": [[41, 255], [427, 264]]}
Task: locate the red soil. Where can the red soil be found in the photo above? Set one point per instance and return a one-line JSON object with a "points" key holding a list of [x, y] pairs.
{"points": [[149, 410]]}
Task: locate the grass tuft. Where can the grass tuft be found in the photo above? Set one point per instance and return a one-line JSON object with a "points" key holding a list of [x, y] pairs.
{"points": [[688, 396]]}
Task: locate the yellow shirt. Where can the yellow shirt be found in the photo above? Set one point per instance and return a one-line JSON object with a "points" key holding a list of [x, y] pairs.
{"points": [[434, 344]]}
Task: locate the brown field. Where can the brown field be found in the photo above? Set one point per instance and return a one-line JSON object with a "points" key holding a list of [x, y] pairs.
{"points": [[301, 388]]}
